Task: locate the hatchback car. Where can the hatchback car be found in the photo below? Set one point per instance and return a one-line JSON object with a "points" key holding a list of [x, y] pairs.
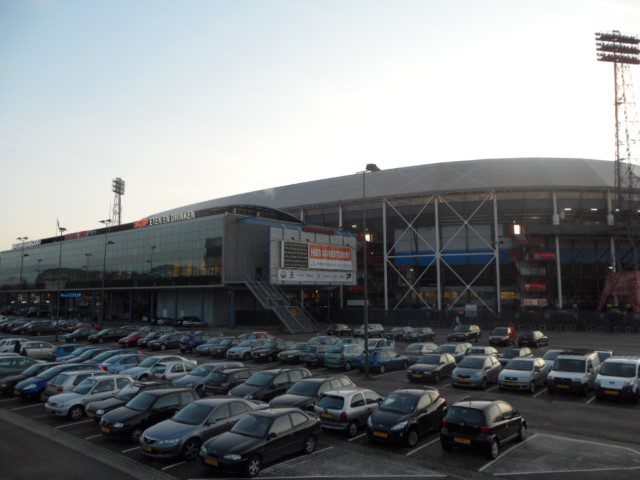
{"points": [[375, 330], [8, 383], [67, 381], [63, 350], [381, 344], [432, 367], [346, 409], [458, 350], [405, 415], [415, 351], [339, 330], [34, 388], [143, 370], [167, 341], [153, 335], [269, 351], [262, 437], [197, 377], [221, 381], [219, 350], [619, 378], [483, 424], [13, 365], [120, 362], [184, 433], [191, 341], [244, 349], [465, 333], [268, 384], [205, 348], [342, 356], [293, 355], [96, 410], [476, 371], [503, 336], [533, 339], [383, 360], [523, 374], [509, 354], [313, 354], [305, 393], [172, 371], [323, 340]]}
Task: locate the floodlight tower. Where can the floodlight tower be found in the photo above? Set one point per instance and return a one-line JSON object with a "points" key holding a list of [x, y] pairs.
{"points": [[117, 187], [622, 50]]}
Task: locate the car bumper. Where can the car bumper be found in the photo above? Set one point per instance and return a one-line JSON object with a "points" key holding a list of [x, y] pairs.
{"points": [[421, 377], [499, 341], [222, 464], [161, 451], [616, 394], [234, 356], [115, 432], [313, 361], [386, 436], [514, 385], [471, 382], [464, 440], [572, 387], [94, 416], [333, 425], [57, 411]]}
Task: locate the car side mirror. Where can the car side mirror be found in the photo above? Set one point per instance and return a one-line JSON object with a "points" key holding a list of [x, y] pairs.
{"points": [[271, 436]]}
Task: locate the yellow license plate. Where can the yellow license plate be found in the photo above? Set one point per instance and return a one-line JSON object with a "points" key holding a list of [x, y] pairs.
{"points": [[563, 386], [147, 449], [511, 384], [612, 392], [417, 375], [105, 429], [90, 414], [380, 434], [327, 415], [211, 462], [464, 441]]}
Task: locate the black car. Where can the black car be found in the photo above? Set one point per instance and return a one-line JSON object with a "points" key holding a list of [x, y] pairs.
{"points": [[399, 334], [305, 393], [487, 425], [420, 334], [144, 410], [220, 382], [97, 410], [190, 321], [405, 415], [269, 352], [220, 349], [78, 335], [431, 367], [262, 437], [268, 384], [533, 339], [166, 341], [108, 335], [339, 330], [42, 328], [465, 333], [154, 335], [7, 384]]}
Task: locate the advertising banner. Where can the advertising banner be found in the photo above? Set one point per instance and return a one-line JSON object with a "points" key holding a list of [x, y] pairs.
{"points": [[330, 257], [314, 277]]}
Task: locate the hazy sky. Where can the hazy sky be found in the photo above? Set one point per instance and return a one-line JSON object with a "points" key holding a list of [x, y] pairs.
{"points": [[193, 100]]}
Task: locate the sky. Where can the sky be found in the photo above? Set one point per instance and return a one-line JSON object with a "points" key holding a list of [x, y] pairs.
{"points": [[194, 100]]}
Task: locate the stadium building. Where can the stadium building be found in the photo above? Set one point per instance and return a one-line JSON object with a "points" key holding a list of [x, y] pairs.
{"points": [[482, 237]]}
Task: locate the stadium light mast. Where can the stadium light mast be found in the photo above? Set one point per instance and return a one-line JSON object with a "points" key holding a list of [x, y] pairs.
{"points": [[117, 187], [623, 51]]}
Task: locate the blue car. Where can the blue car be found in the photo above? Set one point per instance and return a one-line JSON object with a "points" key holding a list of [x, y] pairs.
{"points": [[122, 361], [64, 350], [382, 360], [34, 388], [74, 353], [191, 341], [343, 356]]}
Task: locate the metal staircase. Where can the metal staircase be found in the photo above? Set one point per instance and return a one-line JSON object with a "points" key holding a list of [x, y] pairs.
{"points": [[292, 315]]}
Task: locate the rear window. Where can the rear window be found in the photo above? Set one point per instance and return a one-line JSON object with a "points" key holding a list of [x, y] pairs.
{"points": [[332, 402], [59, 380], [475, 363], [501, 331], [470, 416], [335, 349]]}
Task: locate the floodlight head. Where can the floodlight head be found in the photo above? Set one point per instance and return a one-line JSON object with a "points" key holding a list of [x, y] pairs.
{"points": [[614, 47], [372, 167], [117, 186]]}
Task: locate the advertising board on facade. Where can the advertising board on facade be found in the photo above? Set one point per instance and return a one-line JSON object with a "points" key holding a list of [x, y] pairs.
{"points": [[330, 257], [315, 277]]}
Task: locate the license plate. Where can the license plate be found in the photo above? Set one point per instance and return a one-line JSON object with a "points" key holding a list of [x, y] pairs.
{"points": [[16, 392], [327, 415], [211, 462], [417, 375], [380, 434], [147, 449], [464, 441], [463, 380], [511, 384], [563, 386], [612, 392], [50, 411], [90, 414], [105, 429]]}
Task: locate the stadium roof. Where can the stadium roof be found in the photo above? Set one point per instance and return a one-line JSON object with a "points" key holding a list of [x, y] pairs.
{"points": [[489, 174]]}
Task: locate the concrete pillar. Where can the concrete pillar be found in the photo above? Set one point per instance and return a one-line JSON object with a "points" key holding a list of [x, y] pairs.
{"points": [[438, 252]]}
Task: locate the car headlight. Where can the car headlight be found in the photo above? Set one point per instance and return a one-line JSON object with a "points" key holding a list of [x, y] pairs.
{"points": [[100, 412], [400, 426], [170, 442], [232, 456], [248, 396], [118, 425], [59, 404], [370, 422], [31, 386]]}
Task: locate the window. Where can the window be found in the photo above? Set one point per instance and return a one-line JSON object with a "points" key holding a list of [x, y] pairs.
{"points": [[424, 402], [79, 378], [357, 401], [296, 375], [186, 397], [346, 382], [177, 368], [325, 387], [280, 380], [371, 398], [221, 412], [189, 366], [242, 375], [434, 395], [121, 383], [238, 408], [165, 401], [130, 360], [494, 414], [298, 419], [281, 425], [505, 410], [104, 386], [336, 384]]}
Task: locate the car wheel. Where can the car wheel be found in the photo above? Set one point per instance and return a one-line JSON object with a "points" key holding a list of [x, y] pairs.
{"points": [[382, 369], [42, 396], [253, 466], [436, 377], [310, 444], [101, 340], [352, 430], [532, 387], [522, 432], [483, 385], [446, 446], [494, 450], [75, 413], [347, 366], [191, 449], [135, 435], [163, 347], [412, 438], [246, 357]]}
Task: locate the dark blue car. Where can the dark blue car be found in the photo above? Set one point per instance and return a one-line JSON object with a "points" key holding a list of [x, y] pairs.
{"points": [[34, 388], [64, 350], [382, 360], [191, 341]]}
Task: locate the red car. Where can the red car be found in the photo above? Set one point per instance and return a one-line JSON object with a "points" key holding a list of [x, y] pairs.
{"points": [[75, 326], [503, 336], [132, 339]]}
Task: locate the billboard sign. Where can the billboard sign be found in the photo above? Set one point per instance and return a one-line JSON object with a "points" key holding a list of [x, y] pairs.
{"points": [[294, 255], [330, 257], [314, 277]]}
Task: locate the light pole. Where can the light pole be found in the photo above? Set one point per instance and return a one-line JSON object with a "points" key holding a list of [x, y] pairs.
{"points": [[107, 242], [22, 240], [61, 230], [371, 167]]}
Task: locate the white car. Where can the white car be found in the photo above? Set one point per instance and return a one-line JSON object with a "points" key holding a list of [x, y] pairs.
{"points": [[550, 356], [143, 371], [171, 371], [574, 371], [72, 404], [8, 344], [375, 330], [67, 381], [36, 349], [619, 377]]}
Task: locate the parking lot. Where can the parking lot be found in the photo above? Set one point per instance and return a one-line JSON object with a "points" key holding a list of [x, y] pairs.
{"points": [[570, 436]]}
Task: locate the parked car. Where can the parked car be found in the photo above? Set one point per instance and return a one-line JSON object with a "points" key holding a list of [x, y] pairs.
{"points": [[197, 377], [190, 322], [190, 341], [458, 350], [184, 434], [244, 349], [268, 384], [346, 409], [220, 349], [604, 355], [79, 334], [67, 381], [399, 334], [313, 354], [43, 328], [405, 415], [342, 356], [509, 354], [37, 349], [420, 334], [323, 340], [523, 374], [120, 362], [503, 336], [96, 410], [432, 367], [305, 393], [293, 355], [574, 371], [476, 371], [132, 339], [381, 344], [375, 330], [205, 348], [78, 350], [269, 351], [480, 350], [619, 378], [63, 350], [465, 333], [550, 357], [143, 371], [8, 383], [255, 336], [350, 341], [153, 335], [262, 437], [166, 341], [107, 354], [382, 360], [143, 411], [72, 404], [414, 351], [172, 371], [87, 354], [9, 344], [533, 339], [13, 365], [482, 424], [221, 381], [108, 335], [34, 388], [339, 330]]}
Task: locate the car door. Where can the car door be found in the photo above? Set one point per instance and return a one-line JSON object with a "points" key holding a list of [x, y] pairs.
{"points": [[423, 413], [163, 408], [177, 371], [221, 419], [279, 385], [279, 443], [103, 389], [509, 422]]}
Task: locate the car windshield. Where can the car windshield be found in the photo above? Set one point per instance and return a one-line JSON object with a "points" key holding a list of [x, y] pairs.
{"points": [[255, 426], [429, 359], [470, 416], [225, 342], [103, 356], [80, 350], [34, 370], [213, 341], [618, 369], [551, 355], [520, 365], [476, 351], [50, 373], [569, 365], [510, 353], [202, 370], [133, 335], [446, 349], [217, 378], [260, 379], [332, 402], [417, 330], [59, 380], [474, 363], [85, 386], [500, 331], [159, 369], [246, 343], [128, 392], [305, 388], [166, 336], [461, 328], [87, 354], [114, 359], [402, 403], [149, 362], [270, 345], [193, 414], [141, 402], [335, 349]]}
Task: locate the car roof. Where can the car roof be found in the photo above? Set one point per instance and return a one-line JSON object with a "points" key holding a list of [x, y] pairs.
{"points": [[477, 404], [215, 401], [281, 370], [275, 412], [322, 379], [413, 391], [623, 359], [347, 391], [165, 391]]}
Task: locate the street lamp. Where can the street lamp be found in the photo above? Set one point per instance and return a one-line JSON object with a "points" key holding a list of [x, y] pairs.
{"points": [[61, 230], [107, 242], [371, 167]]}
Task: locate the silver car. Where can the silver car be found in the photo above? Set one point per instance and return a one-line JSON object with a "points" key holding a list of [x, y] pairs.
{"points": [[346, 409], [143, 371], [171, 371], [523, 374], [36, 349], [67, 381], [416, 350], [476, 371]]}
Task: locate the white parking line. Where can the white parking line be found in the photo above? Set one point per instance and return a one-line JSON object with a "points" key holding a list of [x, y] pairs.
{"points": [[540, 392], [490, 389], [383, 374], [591, 399], [93, 436], [171, 466], [130, 449], [74, 423], [27, 406], [423, 446], [305, 458], [517, 445], [356, 437], [9, 399]]}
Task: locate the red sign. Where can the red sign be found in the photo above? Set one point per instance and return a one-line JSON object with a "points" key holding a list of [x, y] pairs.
{"points": [[141, 223], [535, 287], [73, 236], [544, 256]]}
